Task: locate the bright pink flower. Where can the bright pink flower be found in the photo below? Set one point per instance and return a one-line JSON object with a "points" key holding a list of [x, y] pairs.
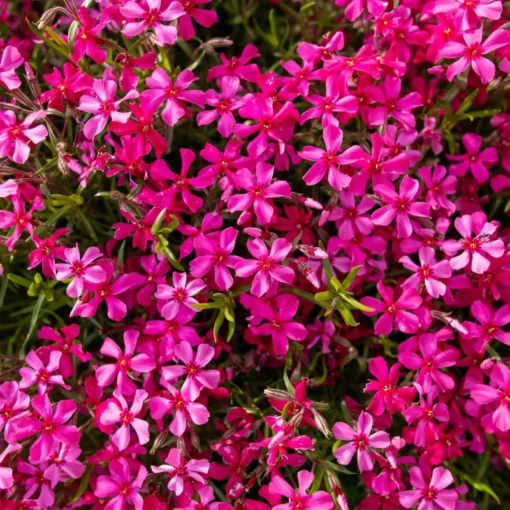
{"points": [[474, 160], [103, 106], [12, 403], [152, 13], [181, 472], [128, 78], [204, 17], [280, 324], [193, 364], [491, 324], [46, 251], [472, 10], [432, 495], [174, 329], [140, 228], [6, 478], [360, 441], [17, 137], [486, 395], [224, 104], [38, 480], [430, 362], [19, 219], [438, 185], [184, 410], [474, 247], [40, 374], [428, 273], [180, 294], [471, 53], [87, 40], [126, 362], [217, 255], [80, 270], [350, 218], [64, 463], [237, 66], [11, 59], [260, 187], [354, 8], [123, 486], [298, 498], [266, 265], [400, 206], [162, 89], [394, 311], [65, 344], [120, 412], [387, 393]]}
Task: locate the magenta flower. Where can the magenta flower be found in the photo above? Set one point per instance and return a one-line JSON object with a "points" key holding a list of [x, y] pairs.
{"points": [[174, 329], [474, 247], [428, 273], [237, 66], [11, 59], [432, 495], [485, 395], [359, 441], [298, 498], [104, 107], [12, 403], [280, 324], [152, 14], [155, 274], [46, 251], [474, 160], [438, 185], [351, 218], [38, 480], [224, 104], [390, 105], [80, 270], [120, 412], [260, 189], [266, 265], [491, 324], [87, 40], [472, 11], [430, 362], [388, 395], [42, 375], [180, 472], [180, 294], [471, 52], [394, 311], [204, 17], [123, 486], [64, 462], [162, 89], [141, 229], [326, 161], [126, 362], [6, 478], [400, 206], [217, 255], [16, 137]]}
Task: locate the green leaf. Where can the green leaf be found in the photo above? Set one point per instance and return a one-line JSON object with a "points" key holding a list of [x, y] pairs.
{"points": [[84, 483], [72, 35], [33, 322], [351, 275], [156, 226], [18, 280], [482, 487], [347, 315], [217, 323], [317, 381], [466, 104]]}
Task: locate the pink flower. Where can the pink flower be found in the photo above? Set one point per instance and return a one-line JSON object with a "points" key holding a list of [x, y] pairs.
{"points": [[40, 374], [432, 495], [123, 486], [280, 324], [237, 66], [485, 395], [400, 206], [390, 105], [11, 59], [471, 53], [141, 229], [478, 162], [473, 247], [360, 441], [87, 40], [260, 189], [184, 410], [152, 15], [491, 324], [162, 89], [266, 265], [17, 137], [119, 411], [438, 185], [178, 295], [141, 363], [428, 273], [12, 403], [174, 329], [80, 270], [217, 255], [394, 310], [472, 10], [64, 343], [298, 498], [181, 472], [46, 251], [350, 218], [103, 106], [224, 104], [354, 8], [64, 463], [204, 17], [430, 362], [193, 364]]}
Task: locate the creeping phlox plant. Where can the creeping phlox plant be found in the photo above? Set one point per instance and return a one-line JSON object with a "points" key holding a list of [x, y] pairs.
{"points": [[254, 254]]}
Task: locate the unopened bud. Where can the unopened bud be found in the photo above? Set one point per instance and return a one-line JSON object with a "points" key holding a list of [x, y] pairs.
{"points": [[47, 18]]}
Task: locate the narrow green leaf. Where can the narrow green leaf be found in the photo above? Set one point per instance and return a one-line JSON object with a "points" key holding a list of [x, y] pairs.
{"points": [[84, 483], [33, 322], [19, 280]]}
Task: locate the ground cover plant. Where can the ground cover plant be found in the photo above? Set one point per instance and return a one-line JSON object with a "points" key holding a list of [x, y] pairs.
{"points": [[254, 254]]}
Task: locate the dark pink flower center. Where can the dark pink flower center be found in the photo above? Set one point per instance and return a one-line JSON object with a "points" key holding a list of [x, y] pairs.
{"points": [[360, 441], [152, 18]]}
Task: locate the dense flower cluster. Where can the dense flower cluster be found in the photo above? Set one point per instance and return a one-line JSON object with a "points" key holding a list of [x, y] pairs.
{"points": [[254, 255]]}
